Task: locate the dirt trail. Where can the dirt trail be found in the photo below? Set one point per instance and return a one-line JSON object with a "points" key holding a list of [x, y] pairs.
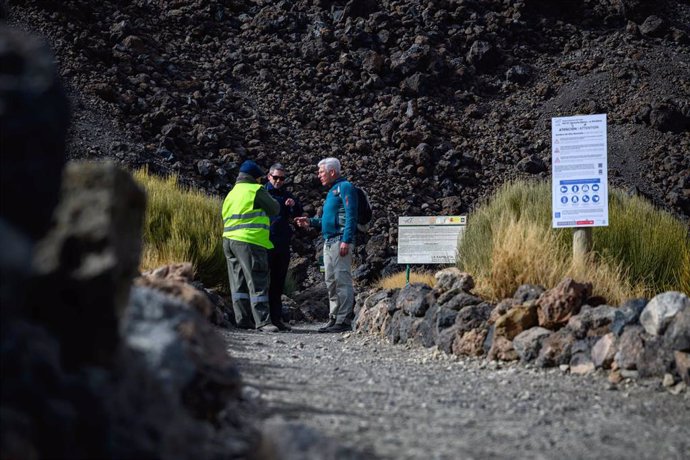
{"points": [[395, 401]]}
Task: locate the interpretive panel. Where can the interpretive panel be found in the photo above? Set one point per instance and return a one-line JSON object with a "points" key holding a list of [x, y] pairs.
{"points": [[429, 240]]}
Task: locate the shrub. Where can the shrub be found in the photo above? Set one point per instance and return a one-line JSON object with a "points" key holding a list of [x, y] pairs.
{"points": [[651, 243], [509, 241], [183, 225]]}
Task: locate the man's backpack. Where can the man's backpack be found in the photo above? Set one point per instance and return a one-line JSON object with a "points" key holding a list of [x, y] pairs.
{"points": [[363, 209]]}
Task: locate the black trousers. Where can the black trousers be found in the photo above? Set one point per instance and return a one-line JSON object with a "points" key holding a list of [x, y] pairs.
{"points": [[278, 261]]}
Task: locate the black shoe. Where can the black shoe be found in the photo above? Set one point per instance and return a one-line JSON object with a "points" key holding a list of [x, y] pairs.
{"points": [[282, 326], [330, 323], [338, 328]]}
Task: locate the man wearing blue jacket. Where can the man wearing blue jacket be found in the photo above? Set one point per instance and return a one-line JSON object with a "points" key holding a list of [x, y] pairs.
{"points": [[338, 227]]}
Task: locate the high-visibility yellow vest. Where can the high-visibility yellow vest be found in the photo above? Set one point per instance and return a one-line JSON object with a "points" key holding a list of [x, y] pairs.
{"points": [[241, 220]]}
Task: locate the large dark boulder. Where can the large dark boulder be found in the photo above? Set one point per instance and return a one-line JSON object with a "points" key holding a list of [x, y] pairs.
{"points": [[528, 343], [436, 320], [630, 348], [34, 117], [556, 349], [473, 317], [182, 351], [88, 260], [628, 313], [592, 321], [656, 359], [412, 299]]}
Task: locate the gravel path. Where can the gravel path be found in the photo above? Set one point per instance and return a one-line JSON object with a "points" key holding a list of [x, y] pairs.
{"points": [[399, 401]]}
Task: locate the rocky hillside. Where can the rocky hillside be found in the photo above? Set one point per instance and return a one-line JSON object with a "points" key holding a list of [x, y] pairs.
{"points": [[429, 104]]}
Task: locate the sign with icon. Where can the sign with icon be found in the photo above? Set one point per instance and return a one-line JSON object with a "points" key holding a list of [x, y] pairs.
{"points": [[579, 187], [429, 240]]}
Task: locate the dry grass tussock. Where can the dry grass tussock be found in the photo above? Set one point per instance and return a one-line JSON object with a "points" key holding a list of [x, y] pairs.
{"points": [[528, 253], [182, 225], [509, 241], [398, 280]]}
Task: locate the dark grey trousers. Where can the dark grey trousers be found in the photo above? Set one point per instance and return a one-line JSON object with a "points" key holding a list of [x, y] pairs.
{"points": [[248, 274]]}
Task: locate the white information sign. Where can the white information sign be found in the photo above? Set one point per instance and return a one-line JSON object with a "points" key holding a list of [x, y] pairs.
{"points": [[429, 240], [579, 187]]}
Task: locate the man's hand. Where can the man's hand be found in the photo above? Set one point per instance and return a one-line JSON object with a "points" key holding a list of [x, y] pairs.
{"points": [[302, 222], [289, 202], [344, 249]]}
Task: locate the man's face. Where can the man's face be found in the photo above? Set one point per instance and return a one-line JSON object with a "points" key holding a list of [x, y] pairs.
{"points": [[326, 176], [276, 178]]}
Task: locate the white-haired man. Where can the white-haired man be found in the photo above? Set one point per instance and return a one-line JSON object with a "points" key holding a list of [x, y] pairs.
{"points": [[338, 227]]}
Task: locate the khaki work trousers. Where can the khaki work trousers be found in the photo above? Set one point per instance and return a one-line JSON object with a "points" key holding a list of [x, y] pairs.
{"points": [[341, 292], [248, 275]]}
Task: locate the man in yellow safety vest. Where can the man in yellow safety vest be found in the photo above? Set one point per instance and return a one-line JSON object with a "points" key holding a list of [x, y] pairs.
{"points": [[246, 224]]}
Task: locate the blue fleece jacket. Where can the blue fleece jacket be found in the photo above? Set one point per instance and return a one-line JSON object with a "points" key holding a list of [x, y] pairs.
{"points": [[339, 212]]}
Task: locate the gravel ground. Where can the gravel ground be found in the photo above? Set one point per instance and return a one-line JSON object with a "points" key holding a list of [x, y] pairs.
{"points": [[401, 401]]}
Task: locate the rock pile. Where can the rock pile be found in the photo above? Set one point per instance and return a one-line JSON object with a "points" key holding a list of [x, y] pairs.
{"points": [[563, 326], [177, 280], [430, 105]]}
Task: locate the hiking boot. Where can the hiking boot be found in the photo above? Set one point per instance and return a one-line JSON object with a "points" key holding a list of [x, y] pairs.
{"points": [[338, 328], [330, 323], [267, 328], [282, 326]]}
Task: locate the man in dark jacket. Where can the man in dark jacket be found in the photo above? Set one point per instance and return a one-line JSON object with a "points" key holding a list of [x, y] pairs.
{"points": [[281, 234]]}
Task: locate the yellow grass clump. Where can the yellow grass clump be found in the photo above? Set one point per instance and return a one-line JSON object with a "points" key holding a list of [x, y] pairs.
{"points": [[182, 225], [523, 253], [398, 280], [509, 241]]}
